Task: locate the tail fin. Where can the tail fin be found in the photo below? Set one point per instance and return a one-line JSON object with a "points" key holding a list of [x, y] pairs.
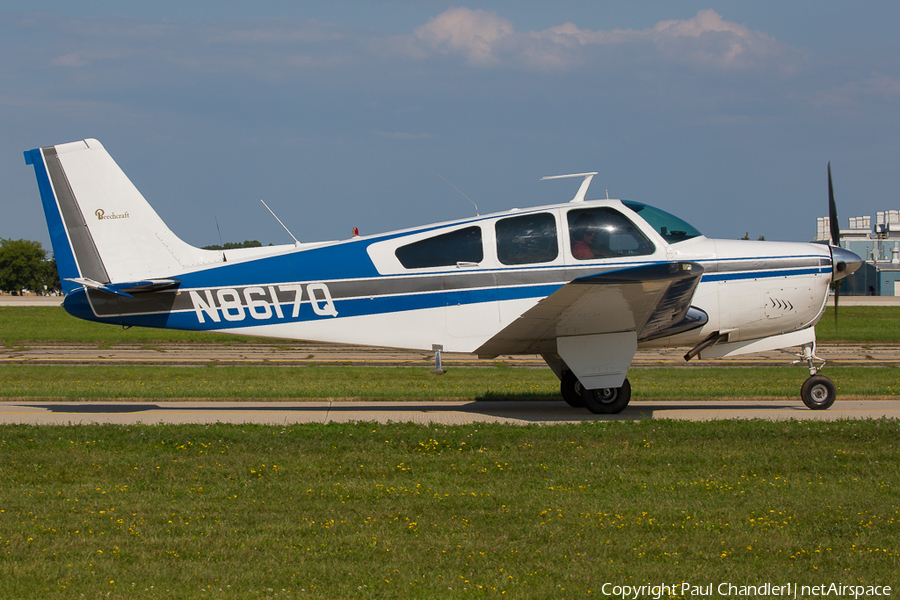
{"points": [[101, 227]]}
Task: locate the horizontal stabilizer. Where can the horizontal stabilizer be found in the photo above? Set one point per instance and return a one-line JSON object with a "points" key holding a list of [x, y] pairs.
{"points": [[128, 288]]}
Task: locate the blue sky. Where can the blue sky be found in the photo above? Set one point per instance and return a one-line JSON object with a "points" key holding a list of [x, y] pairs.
{"points": [[343, 114]]}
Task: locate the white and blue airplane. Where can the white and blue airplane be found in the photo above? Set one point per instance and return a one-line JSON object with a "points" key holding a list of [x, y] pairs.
{"points": [[584, 283]]}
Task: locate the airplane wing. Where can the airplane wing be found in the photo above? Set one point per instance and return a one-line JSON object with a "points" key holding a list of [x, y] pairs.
{"points": [[650, 300]]}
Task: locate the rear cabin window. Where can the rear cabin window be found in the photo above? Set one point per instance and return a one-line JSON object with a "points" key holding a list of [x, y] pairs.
{"points": [[527, 239], [449, 249], [604, 232]]}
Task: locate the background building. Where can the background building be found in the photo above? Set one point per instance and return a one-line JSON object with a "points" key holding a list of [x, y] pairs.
{"points": [[878, 246]]}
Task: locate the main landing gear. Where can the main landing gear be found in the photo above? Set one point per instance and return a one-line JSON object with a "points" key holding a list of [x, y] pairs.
{"points": [[606, 401], [818, 392]]}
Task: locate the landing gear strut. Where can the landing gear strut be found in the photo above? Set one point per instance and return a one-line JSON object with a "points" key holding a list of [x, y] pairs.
{"points": [[605, 401], [818, 392]]}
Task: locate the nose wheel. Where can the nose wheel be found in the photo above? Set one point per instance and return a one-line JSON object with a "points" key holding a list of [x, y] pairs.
{"points": [[818, 392]]}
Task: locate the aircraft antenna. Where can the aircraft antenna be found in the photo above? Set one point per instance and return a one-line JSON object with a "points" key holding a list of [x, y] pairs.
{"points": [[477, 214], [296, 241], [221, 243]]}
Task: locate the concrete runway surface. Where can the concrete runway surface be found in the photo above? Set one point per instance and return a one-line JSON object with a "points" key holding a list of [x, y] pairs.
{"points": [[446, 413]]}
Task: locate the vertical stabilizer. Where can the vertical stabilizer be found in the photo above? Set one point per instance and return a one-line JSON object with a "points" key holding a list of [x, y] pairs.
{"points": [[101, 227]]}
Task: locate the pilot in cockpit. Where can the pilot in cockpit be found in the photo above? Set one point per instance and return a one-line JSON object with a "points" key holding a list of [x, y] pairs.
{"points": [[583, 232]]}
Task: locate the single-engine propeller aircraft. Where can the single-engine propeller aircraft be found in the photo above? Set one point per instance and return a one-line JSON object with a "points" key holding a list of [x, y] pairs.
{"points": [[584, 283]]}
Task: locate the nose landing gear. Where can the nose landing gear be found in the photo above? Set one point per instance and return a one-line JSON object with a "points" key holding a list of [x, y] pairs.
{"points": [[818, 392]]}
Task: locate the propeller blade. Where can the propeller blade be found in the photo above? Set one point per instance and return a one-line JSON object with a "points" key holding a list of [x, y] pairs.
{"points": [[832, 213], [844, 262], [837, 297]]}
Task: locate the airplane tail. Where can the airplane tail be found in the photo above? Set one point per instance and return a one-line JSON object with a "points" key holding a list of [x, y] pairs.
{"points": [[104, 233]]}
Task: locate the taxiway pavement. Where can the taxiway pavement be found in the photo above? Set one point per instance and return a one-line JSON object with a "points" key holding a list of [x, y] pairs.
{"points": [[446, 413], [288, 354]]}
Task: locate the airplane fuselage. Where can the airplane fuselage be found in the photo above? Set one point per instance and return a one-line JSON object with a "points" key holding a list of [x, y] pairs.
{"points": [[358, 292]]}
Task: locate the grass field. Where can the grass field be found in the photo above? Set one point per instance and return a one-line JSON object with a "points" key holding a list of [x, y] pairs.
{"points": [[409, 511], [20, 325], [387, 383], [23, 324], [860, 324]]}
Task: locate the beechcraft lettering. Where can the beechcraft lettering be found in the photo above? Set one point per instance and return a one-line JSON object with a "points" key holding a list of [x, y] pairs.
{"points": [[583, 283], [261, 304], [101, 215]]}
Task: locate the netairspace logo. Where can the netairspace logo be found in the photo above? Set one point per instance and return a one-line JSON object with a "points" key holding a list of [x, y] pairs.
{"points": [[787, 590]]}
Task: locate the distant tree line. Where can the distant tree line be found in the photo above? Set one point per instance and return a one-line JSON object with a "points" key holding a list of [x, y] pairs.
{"points": [[233, 245], [24, 266]]}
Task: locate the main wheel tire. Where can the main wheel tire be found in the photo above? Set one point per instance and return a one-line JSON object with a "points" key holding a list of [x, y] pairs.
{"points": [[818, 392], [607, 401], [571, 388]]}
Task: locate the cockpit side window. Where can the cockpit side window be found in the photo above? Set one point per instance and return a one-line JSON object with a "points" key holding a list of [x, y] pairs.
{"points": [[603, 232], [462, 246], [527, 239], [670, 227]]}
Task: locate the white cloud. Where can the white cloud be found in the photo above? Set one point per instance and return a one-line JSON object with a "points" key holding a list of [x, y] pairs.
{"points": [[473, 33], [485, 39], [709, 39]]}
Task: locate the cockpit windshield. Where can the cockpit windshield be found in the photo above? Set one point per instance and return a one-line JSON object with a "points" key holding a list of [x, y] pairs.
{"points": [[670, 227]]}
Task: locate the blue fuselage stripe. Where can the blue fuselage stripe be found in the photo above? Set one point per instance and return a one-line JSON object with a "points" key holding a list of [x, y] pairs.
{"points": [[349, 307], [738, 275], [379, 305]]}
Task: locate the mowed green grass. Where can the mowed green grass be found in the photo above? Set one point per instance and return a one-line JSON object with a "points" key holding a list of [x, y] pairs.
{"points": [[49, 324], [21, 325], [399, 383], [862, 324], [411, 511]]}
